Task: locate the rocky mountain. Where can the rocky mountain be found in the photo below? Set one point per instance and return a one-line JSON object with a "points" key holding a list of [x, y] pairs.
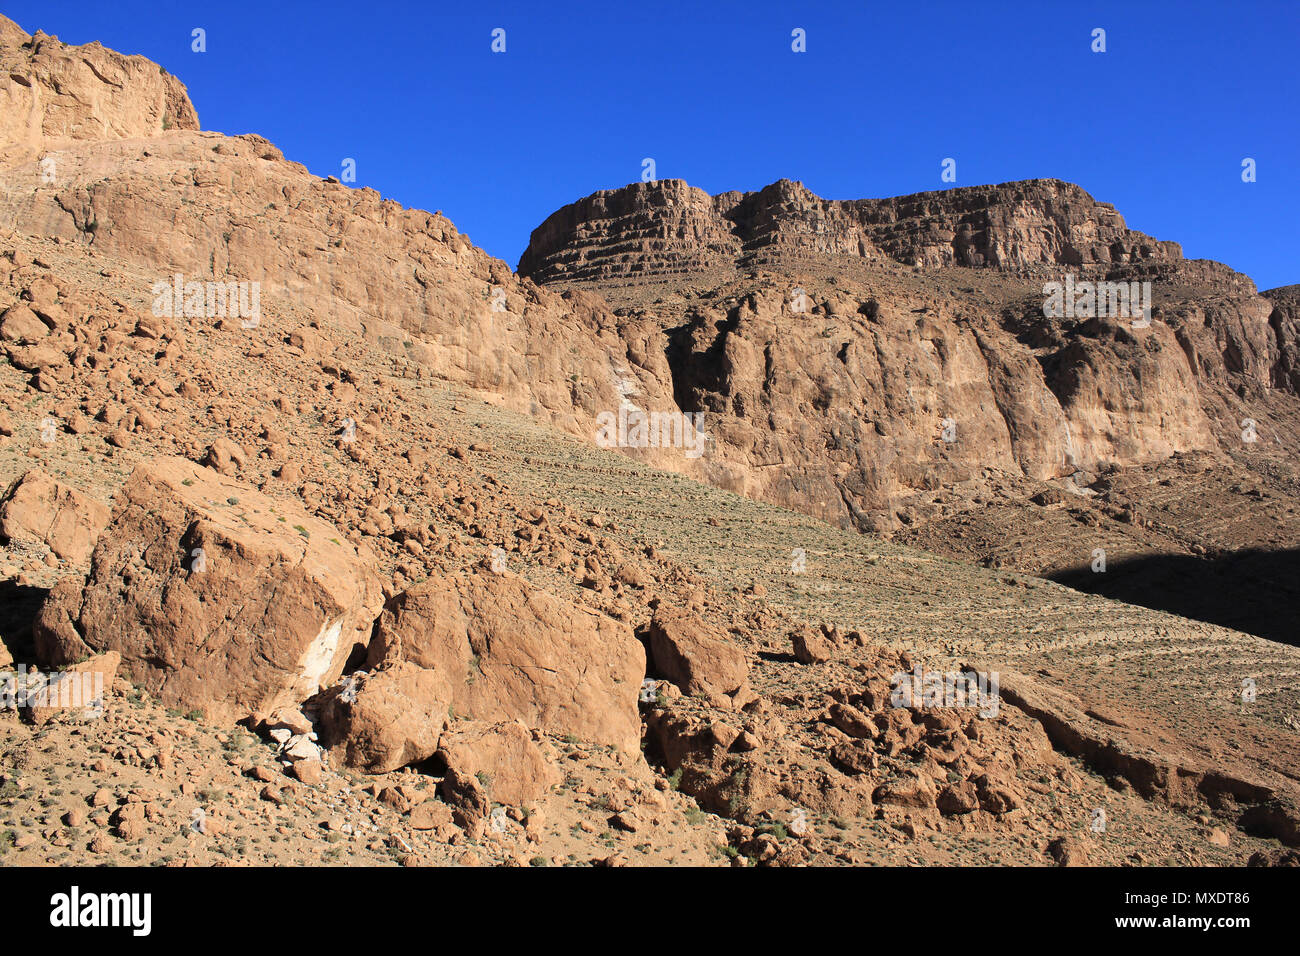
{"points": [[306, 497], [885, 364]]}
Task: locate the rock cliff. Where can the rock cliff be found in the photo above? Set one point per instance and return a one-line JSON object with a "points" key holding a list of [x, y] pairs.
{"points": [[851, 358]]}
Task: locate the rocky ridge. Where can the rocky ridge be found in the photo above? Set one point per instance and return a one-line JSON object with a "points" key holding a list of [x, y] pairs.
{"points": [[654, 230], [851, 359]]}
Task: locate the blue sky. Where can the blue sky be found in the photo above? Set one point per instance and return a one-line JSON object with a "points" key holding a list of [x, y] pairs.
{"points": [[1158, 124]]}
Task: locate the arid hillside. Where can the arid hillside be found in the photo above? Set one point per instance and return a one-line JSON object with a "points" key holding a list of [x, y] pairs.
{"points": [[303, 497]]}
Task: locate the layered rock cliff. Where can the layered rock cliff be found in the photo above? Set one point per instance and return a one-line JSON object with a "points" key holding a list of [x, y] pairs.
{"points": [[852, 358], [668, 228]]}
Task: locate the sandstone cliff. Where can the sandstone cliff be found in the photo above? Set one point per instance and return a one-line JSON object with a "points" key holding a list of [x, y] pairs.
{"points": [[852, 358], [653, 230], [52, 94]]}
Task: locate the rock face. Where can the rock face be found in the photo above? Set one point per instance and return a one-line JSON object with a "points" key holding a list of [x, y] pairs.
{"points": [[501, 649], [38, 508], [662, 228], [1284, 321], [638, 231], [52, 93], [217, 597], [843, 367]]}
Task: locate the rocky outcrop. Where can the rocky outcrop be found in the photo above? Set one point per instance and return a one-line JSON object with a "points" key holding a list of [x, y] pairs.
{"points": [[852, 373], [52, 94], [651, 230], [1284, 321], [218, 598], [640, 231], [1156, 767]]}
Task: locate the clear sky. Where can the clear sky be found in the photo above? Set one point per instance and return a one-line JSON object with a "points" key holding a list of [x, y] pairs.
{"points": [[1159, 124]]}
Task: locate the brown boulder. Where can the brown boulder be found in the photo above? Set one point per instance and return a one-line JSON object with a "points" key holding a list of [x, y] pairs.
{"points": [[907, 789], [468, 800], [693, 656], [503, 757], [1068, 851], [38, 508], [853, 757], [217, 597], [310, 772], [386, 720], [225, 457], [21, 324], [958, 798], [852, 721], [429, 815], [811, 647], [36, 358], [502, 649]]}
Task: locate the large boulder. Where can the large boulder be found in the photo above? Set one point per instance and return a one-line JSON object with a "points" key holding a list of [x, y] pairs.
{"points": [[21, 324], [694, 656], [36, 508], [503, 649], [503, 757], [218, 597], [382, 721]]}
